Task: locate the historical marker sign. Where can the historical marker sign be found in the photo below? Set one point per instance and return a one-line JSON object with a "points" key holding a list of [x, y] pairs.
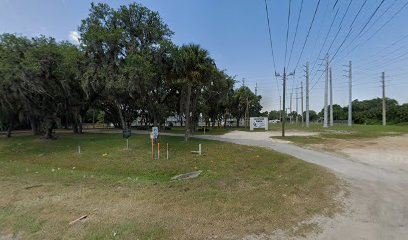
{"points": [[258, 122]]}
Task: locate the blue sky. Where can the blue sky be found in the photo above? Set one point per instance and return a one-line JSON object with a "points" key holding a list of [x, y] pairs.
{"points": [[236, 35]]}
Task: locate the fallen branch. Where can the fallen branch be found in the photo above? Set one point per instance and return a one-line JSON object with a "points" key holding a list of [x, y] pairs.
{"points": [[34, 186], [78, 219]]}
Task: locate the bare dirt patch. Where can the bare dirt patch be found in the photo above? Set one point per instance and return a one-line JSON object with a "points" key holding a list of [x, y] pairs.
{"points": [[384, 152]]}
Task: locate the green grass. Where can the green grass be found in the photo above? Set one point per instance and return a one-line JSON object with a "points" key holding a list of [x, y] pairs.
{"points": [[45, 184]]}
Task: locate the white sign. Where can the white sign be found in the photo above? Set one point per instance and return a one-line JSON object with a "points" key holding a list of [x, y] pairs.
{"points": [[258, 122], [155, 132]]}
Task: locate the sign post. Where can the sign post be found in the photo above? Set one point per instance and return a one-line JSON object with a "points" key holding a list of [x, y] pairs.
{"points": [[158, 151], [154, 135]]}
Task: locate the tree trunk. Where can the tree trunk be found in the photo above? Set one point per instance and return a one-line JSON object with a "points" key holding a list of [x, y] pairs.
{"points": [[34, 125], [122, 119], [75, 127], [80, 124], [9, 129], [50, 128], [187, 134], [238, 121]]}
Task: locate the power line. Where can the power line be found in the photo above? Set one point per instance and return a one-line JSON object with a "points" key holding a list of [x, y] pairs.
{"points": [[270, 35], [308, 33], [334, 39], [371, 17], [379, 29], [327, 36], [381, 16], [340, 27], [350, 29], [297, 26], [271, 44], [287, 33], [365, 25]]}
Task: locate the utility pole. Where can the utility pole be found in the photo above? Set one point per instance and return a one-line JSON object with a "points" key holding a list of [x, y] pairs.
{"points": [[283, 100], [331, 98], [290, 108], [256, 89], [350, 97], [247, 113], [326, 92], [307, 95], [297, 105], [301, 101], [280, 108], [384, 111]]}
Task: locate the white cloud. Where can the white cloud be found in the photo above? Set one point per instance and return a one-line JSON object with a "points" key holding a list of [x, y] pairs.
{"points": [[74, 37]]}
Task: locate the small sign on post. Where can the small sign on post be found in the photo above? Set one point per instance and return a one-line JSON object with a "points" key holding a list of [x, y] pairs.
{"points": [[155, 132], [126, 134], [153, 136]]}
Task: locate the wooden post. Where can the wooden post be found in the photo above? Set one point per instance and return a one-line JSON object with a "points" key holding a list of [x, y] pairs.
{"points": [[152, 148], [158, 151], [167, 151]]}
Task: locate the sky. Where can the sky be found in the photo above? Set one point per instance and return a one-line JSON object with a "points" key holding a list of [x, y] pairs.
{"points": [[236, 34]]}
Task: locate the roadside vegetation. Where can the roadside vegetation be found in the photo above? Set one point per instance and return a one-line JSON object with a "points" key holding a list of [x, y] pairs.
{"points": [[125, 193]]}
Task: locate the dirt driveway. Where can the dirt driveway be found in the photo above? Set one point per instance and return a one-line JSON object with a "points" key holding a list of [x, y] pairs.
{"points": [[376, 171]]}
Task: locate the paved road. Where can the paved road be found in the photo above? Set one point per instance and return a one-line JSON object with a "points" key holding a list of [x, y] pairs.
{"points": [[379, 197]]}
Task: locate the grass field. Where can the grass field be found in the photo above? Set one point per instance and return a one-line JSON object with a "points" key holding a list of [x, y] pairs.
{"points": [[45, 184], [341, 132]]}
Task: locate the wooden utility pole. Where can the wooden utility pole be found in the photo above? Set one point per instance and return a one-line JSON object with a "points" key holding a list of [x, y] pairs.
{"points": [[280, 108], [384, 110], [307, 95], [283, 100], [325, 122], [350, 97], [331, 98]]}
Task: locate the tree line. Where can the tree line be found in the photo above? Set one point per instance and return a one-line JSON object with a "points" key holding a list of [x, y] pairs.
{"points": [[363, 112], [126, 67], [370, 111]]}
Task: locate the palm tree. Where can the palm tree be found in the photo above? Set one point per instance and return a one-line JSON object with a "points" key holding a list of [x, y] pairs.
{"points": [[192, 65]]}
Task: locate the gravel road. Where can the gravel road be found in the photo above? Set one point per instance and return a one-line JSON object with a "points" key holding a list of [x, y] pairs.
{"points": [[378, 205]]}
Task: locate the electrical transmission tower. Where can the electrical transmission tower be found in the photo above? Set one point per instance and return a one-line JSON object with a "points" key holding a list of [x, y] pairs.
{"points": [[325, 120], [350, 107], [384, 111], [307, 95], [331, 98]]}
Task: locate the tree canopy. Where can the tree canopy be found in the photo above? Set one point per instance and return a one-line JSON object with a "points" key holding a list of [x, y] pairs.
{"points": [[125, 69]]}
